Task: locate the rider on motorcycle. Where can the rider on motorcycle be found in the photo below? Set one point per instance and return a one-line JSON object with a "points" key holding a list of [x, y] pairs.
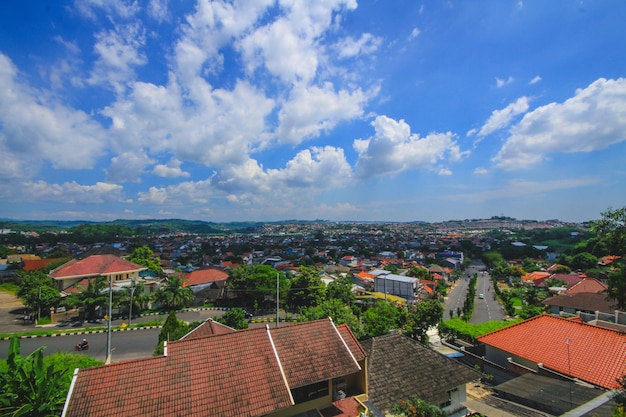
{"points": [[83, 344]]}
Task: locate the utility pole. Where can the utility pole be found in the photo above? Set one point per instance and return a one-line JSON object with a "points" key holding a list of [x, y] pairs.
{"points": [[277, 296], [108, 358]]}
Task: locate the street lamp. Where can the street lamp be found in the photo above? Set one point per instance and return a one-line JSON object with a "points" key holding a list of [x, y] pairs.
{"points": [[130, 310]]}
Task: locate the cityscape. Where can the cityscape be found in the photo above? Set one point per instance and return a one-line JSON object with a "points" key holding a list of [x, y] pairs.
{"points": [[387, 289]]}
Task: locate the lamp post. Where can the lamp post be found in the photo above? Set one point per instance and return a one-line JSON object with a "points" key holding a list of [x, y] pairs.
{"points": [[130, 309], [108, 357]]}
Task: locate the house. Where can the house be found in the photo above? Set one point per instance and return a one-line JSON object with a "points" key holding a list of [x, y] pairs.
{"points": [[564, 348], [400, 368], [586, 302], [114, 269], [207, 284], [264, 371]]}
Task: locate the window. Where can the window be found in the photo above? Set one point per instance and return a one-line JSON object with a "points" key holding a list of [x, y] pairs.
{"points": [[310, 392]]}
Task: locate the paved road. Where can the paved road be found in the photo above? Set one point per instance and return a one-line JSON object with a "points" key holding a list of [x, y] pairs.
{"points": [[485, 309]]}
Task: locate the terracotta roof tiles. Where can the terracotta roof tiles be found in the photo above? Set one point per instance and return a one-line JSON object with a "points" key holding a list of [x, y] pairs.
{"points": [[244, 373], [95, 265], [202, 276], [596, 355]]}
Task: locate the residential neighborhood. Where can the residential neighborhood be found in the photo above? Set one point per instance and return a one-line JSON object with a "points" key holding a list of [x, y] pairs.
{"points": [[560, 328]]}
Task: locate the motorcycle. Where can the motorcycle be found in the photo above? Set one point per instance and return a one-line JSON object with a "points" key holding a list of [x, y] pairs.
{"points": [[81, 346]]}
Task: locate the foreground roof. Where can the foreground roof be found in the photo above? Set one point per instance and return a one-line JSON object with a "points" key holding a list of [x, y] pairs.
{"points": [[95, 265], [244, 373], [400, 368], [589, 353]]}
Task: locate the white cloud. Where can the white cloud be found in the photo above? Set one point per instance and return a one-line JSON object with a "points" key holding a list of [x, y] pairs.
{"points": [[480, 171], [500, 119], [535, 80], [182, 194], [415, 32], [68, 192], [122, 8], [444, 172], [394, 149], [170, 170], [593, 119], [128, 166], [312, 110], [37, 128], [315, 168], [350, 47], [119, 51], [500, 82], [158, 10]]}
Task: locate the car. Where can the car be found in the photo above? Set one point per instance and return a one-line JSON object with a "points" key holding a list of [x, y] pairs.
{"points": [[481, 296]]}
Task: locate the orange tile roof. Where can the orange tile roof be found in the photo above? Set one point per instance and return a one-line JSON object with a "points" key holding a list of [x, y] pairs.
{"points": [[208, 328], [244, 373], [596, 355], [532, 276], [35, 264], [95, 265], [202, 276]]}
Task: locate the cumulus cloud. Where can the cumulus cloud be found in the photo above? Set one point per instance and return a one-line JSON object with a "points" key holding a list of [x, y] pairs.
{"points": [[535, 80], [128, 166], [170, 170], [595, 118], [184, 193], [350, 47], [480, 171], [121, 8], [394, 149], [312, 110], [36, 128], [315, 168], [500, 119]]}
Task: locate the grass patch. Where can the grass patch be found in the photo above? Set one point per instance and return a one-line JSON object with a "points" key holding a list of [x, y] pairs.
{"points": [[460, 329], [9, 287]]}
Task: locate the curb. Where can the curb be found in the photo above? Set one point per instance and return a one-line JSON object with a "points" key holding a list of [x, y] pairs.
{"points": [[35, 336]]}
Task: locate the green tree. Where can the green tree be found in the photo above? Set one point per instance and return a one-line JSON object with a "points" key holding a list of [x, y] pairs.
{"points": [[255, 285], [529, 265], [30, 388], [144, 256], [562, 269], [335, 309], [341, 289], [95, 295], [611, 229], [418, 272], [584, 261], [174, 295], [616, 283], [416, 407], [235, 318], [382, 318], [173, 329], [421, 318], [37, 291], [307, 288]]}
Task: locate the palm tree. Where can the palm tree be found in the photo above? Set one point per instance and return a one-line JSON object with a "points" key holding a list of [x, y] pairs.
{"points": [[174, 295], [93, 296]]}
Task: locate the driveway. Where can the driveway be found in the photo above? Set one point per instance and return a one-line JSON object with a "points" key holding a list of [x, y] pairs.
{"points": [[12, 314]]}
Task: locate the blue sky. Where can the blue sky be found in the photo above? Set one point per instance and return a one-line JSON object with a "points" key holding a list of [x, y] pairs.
{"points": [[271, 110]]}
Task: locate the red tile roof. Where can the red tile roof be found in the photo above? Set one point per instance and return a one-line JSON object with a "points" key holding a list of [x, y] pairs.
{"points": [[587, 285], [596, 355], [202, 276], [244, 373], [95, 265], [314, 355]]}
